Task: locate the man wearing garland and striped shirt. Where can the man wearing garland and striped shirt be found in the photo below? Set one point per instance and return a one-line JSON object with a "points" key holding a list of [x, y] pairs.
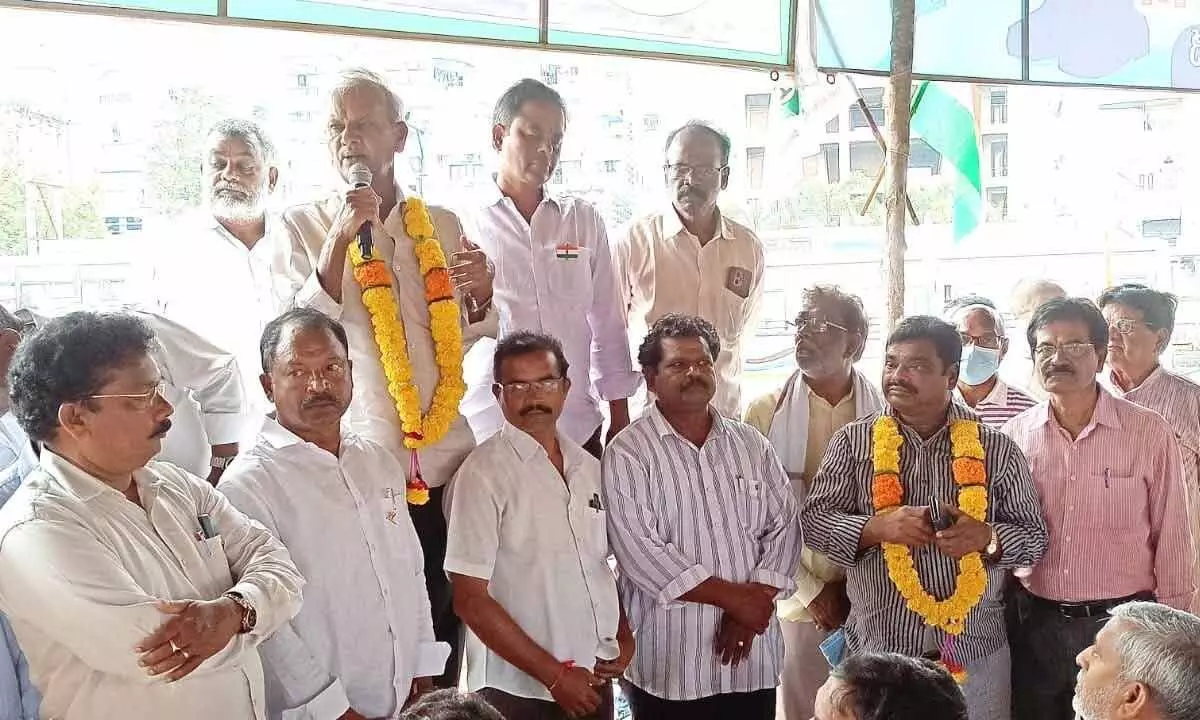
{"points": [[920, 371]]}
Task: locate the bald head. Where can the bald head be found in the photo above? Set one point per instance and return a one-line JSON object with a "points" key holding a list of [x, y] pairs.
{"points": [[1031, 294]]}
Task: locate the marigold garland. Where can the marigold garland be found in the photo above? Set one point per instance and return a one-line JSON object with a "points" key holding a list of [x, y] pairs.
{"points": [[375, 280], [970, 475]]}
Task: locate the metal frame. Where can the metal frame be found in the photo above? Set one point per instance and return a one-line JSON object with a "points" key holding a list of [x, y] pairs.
{"points": [[222, 18]]}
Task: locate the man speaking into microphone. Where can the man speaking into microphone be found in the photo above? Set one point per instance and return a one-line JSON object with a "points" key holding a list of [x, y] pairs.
{"points": [[370, 238]]}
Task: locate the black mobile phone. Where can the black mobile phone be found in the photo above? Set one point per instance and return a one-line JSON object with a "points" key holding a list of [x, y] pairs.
{"points": [[937, 518]]}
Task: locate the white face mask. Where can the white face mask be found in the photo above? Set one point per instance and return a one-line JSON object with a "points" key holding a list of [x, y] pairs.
{"points": [[978, 364]]}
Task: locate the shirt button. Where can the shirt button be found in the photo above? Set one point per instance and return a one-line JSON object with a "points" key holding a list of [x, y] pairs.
{"points": [[1068, 538], [1066, 571], [1070, 507]]}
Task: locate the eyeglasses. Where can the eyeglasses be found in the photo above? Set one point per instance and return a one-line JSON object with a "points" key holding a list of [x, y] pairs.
{"points": [[142, 401], [679, 170], [990, 341], [1073, 351], [817, 326], [541, 387], [1126, 325], [332, 371]]}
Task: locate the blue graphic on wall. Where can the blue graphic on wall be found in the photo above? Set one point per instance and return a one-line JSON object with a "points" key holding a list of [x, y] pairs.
{"points": [[1149, 43]]}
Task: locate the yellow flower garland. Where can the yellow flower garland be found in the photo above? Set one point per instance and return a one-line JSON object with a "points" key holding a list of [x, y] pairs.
{"points": [[970, 475], [375, 281]]}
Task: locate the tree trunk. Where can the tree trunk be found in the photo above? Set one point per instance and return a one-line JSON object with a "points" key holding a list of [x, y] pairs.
{"points": [[900, 100]]}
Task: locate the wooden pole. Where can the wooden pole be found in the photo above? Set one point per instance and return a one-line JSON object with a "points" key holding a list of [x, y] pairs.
{"points": [[899, 101]]}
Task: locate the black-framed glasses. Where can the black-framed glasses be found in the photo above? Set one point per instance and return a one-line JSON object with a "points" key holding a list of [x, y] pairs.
{"points": [[142, 401], [1073, 351], [521, 387], [679, 170], [816, 326], [991, 341]]}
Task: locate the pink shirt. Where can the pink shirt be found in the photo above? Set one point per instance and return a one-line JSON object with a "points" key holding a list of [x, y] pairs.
{"points": [[1115, 505]]}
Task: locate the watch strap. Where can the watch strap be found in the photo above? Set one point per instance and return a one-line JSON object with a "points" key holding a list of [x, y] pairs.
{"points": [[249, 616]]}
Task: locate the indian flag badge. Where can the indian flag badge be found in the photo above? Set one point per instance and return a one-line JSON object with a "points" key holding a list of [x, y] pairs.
{"points": [[566, 251]]}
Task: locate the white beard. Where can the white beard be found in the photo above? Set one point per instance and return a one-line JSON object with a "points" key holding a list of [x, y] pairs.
{"points": [[224, 207]]}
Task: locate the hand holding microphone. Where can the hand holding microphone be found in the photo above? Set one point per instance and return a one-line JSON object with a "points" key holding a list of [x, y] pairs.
{"points": [[361, 209]]}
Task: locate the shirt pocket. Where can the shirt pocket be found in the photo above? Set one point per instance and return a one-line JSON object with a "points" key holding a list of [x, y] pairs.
{"points": [[594, 528], [750, 504], [212, 554], [1115, 502], [568, 275]]}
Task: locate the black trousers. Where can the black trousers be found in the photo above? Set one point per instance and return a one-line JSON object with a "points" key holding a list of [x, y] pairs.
{"points": [[431, 528], [1044, 644], [519, 708], [758, 705]]}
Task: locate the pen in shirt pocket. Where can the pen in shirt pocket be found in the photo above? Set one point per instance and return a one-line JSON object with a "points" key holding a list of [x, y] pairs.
{"points": [[207, 530], [1107, 477]]}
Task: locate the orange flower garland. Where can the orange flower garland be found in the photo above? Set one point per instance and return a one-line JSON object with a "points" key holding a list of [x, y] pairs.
{"points": [[374, 278], [887, 494]]}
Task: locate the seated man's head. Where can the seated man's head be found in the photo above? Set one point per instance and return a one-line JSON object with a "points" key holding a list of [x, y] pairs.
{"points": [[677, 359], [831, 332], [1144, 665], [887, 686], [85, 385], [450, 705], [306, 371], [531, 380]]}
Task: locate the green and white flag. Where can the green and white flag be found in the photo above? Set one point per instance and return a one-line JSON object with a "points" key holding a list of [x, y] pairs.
{"points": [[947, 123]]}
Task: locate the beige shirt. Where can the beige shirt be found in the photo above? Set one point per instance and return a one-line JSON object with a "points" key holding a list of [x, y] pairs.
{"points": [[373, 412], [81, 567], [816, 570], [662, 268]]}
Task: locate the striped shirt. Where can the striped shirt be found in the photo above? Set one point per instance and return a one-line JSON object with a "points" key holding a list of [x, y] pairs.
{"points": [[1177, 399], [1115, 503], [1002, 404], [678, 515], [839, 506]]}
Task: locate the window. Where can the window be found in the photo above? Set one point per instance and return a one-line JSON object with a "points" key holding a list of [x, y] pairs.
{"points": [[133, 224], [302, 80], [1145, 181], [865, 157], [464, 172], [610, 167], [755, 161], [650, 122], [921, 155], [758, 112], [833, 162], [811, 165], [999, 155], [999, 106], [834, 126], [997, 199], [873, 97], [550, 74]]}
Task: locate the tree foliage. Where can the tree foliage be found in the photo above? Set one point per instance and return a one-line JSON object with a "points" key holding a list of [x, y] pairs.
{"points": [[175, 156]]}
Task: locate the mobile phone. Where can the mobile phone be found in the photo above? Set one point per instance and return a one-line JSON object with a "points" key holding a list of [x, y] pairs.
{"points": [[937, 518]]}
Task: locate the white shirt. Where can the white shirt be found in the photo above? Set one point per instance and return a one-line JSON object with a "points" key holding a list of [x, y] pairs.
{"points": [[208, 281], [373, 412], [365, 630], [80, 569], [662, 268], [14, 445], [202, 383], [555, 275], [542, 545], [678, 515]]}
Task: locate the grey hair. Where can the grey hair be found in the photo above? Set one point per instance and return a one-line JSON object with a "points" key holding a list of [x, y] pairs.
{"points": [[723, 141], [1029, 294], [248, 132], [1160, 648], [515, 97], [362, 78], [959, 307]]}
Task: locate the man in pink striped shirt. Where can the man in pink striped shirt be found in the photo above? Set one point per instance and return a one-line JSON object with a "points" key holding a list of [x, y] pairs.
{"points": [[1112, 491]]}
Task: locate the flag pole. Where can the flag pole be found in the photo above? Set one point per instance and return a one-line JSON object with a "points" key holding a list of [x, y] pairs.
{"points": [[900, 99]]}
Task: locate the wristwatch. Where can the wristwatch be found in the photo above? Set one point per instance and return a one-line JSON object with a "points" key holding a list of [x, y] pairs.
{"points": [[220, 463], [249, 616], [993, 546]]}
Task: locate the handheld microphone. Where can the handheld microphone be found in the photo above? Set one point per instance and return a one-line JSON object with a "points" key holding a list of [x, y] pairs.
{"points": [[360, 177]]}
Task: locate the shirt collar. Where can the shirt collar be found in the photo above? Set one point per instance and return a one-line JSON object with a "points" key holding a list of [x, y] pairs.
{"points": [[278, 437], [527, 448], [673, 226], [1155, 376], [663, 428], [1105, 412], [998, 397], [956, 411], [85, 486], [492, 195], [269, 222]]}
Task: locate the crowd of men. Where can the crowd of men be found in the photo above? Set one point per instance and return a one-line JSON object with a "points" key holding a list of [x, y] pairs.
{"points": [[251, 499]]}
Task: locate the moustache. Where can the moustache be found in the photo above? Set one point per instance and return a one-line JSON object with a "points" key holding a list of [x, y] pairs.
{"points": [[229, 188], [902, 386], [694, 382], [161, 430], [317, 401], [531, 409], [1059, 370]]}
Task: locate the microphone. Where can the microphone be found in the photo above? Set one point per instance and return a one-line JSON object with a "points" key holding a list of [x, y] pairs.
{"points": [[360, 177]]}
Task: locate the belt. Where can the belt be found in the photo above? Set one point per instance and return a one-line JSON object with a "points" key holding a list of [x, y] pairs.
{"points": [[1095, 608]]}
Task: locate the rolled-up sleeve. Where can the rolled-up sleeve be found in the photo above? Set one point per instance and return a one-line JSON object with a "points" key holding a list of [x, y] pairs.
{"points": [[612, 364], [648, 560], [832, 523]]}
